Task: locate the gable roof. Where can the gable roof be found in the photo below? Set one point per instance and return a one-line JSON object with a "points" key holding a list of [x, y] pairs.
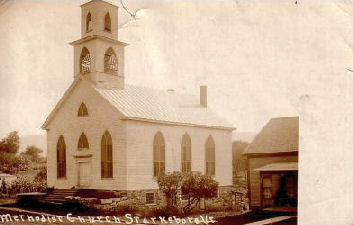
{"points": [[153, 105], [279, 135], [61, 101]]}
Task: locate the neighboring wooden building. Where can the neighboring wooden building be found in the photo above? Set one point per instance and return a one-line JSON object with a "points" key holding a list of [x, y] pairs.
{"points": [[105, 134], [272, 164]]}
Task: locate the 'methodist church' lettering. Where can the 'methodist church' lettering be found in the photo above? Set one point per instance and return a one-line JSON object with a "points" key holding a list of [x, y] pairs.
{"points": [[126, 219]]}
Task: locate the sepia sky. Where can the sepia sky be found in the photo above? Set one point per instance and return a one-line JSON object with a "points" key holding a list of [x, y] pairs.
{"points": [[259, 59]]}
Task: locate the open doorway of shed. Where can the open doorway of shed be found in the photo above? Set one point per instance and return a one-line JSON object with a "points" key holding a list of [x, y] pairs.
{"points": [[279, 189]]}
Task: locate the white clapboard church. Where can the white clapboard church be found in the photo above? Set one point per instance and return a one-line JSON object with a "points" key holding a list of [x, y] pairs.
{"points": [[105, 134]]}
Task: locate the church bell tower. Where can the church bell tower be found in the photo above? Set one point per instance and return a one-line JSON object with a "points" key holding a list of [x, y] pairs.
{"points": [[98, 55]]}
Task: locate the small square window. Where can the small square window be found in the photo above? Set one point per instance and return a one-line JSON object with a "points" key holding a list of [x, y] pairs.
{"points": [[150, 198]]}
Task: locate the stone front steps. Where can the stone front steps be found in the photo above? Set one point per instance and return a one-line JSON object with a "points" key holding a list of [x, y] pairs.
{"points": [[58, 196]]}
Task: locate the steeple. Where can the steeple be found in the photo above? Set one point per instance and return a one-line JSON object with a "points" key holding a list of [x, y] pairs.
{"points": [[99, 18], [98, 55]]}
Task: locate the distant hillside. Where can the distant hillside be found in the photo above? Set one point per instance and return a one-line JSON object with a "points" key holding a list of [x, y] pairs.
{"points": [[244, 136], [38, 140]]}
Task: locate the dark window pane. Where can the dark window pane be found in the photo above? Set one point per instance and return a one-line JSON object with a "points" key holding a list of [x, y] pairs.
{"points": [[61, 157], [106, 156], [107, 25], [158, 154]]}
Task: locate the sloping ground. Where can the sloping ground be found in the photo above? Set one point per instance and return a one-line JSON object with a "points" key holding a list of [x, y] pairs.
{"points": [[273, 220], [292, 221], [250, 218]]}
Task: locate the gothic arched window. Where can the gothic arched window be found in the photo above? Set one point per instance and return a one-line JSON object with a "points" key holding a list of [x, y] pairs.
{"points": [[82, 142], [158, 155], [106, 156], [107, 22], [210, 156], [61, 157], [186, 154], [110, 61], [82, 111], [85, 60], [88, 22]]}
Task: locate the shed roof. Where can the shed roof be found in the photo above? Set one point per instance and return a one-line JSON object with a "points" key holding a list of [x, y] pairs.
{"points": [[278, 135], [287, 166]]}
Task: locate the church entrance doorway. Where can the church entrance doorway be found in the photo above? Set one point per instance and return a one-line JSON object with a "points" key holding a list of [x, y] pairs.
{"points": [[83, 174]]}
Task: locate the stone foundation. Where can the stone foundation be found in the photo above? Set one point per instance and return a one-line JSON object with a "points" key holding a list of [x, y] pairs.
{"points": [[223, 200], [138, 198], [229, 198]]}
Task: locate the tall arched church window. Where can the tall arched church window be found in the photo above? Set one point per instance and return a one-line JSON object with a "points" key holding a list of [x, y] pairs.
{"points": [[186, 154], [61, 157], [158, 155], [107, 22], [82, 111], [106, 156], [110, 62], [82, 142], [85, 60], [89, 22], [210, 156]]}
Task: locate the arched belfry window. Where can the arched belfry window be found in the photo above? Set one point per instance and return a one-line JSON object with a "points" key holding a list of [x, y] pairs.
{"points": [[106, 156], [61, 157], [89, 22], [85, 61], [110, 62], [82, 142], [158, 155], [186, 154], [82, 111], [107, 23], [210, 156]]}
